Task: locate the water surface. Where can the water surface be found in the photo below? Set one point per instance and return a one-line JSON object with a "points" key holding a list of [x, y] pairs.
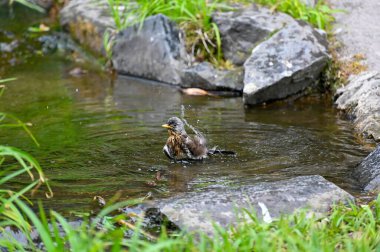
{"points": [[99, 137]]}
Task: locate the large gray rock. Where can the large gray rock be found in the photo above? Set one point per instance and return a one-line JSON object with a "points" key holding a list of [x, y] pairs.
{"points": [[242, 30], [205, 76], [368, 172], [197, 211], [154, 52], [361, 101], [287, 63], [87, 20]]}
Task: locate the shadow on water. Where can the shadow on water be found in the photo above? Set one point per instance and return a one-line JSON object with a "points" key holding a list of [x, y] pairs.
{"points": [[99, 137]]}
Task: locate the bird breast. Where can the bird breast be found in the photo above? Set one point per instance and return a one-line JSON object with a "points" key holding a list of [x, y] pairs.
{"points": [[175, 144]]}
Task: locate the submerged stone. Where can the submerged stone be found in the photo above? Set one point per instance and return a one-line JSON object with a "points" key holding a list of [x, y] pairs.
{"points": [[154, 52], [286, 64], [242, 30], [197, 211], [360, 99], [368, 172]]}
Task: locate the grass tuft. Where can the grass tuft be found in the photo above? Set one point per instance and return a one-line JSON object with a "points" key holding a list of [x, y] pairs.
{"points": [[320, 16]]}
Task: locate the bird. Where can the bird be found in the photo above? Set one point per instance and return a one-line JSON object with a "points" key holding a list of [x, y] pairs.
{"points": [[180, 146]]}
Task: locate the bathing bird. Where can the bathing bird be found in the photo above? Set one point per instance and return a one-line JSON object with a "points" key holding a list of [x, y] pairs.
{"points": [[180, 146]]}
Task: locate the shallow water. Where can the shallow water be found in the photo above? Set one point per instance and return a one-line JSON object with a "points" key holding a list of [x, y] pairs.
{"points": [[100, 137]]}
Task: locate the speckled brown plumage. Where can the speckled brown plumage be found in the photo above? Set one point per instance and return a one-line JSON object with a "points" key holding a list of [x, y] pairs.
{"points": [[180, 146]]}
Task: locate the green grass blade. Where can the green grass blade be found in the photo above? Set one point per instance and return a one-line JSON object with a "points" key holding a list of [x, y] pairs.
{"points": [[218, 41], [42, 231]]}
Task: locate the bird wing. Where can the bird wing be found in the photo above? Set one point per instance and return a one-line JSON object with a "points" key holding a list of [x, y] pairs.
{"points": [[196, 146]]}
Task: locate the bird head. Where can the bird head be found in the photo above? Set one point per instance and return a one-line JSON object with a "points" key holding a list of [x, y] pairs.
{"points": [[175, 125]]}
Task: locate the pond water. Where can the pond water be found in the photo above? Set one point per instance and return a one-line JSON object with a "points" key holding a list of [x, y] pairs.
{"points": [[100, 136]]}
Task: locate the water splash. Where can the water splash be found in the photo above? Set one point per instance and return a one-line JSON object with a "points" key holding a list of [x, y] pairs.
{"points": [[196, 132]]}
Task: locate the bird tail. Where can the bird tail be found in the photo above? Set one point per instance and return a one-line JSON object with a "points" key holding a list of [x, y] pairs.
{"points": [[216, 151]]}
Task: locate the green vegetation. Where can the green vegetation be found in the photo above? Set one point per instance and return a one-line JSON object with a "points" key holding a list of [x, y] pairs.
{"points": [[108, 43], [320, 16]]}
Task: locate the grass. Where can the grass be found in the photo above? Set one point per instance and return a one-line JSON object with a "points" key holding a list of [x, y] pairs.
{"points": [[320, 16], [353, 228]]}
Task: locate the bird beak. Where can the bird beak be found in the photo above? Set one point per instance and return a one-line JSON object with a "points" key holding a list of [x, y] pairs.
{"points": [[166, 126]]}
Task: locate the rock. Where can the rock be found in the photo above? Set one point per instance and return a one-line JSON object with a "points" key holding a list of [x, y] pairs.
{"points": [[62, 43], [205, 76], [196, 211], [361, 101], [154, 52], [242, 30], [287, 63], [368, 172], [45, 4], [87, 20]]}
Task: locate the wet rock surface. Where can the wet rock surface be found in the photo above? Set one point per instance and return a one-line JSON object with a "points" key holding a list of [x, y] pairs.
{"points": [[287, 63], [205, 76], [154, 52], [242, 30], [196, 211], [360, 99], [87, 20], [368, 172]]}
